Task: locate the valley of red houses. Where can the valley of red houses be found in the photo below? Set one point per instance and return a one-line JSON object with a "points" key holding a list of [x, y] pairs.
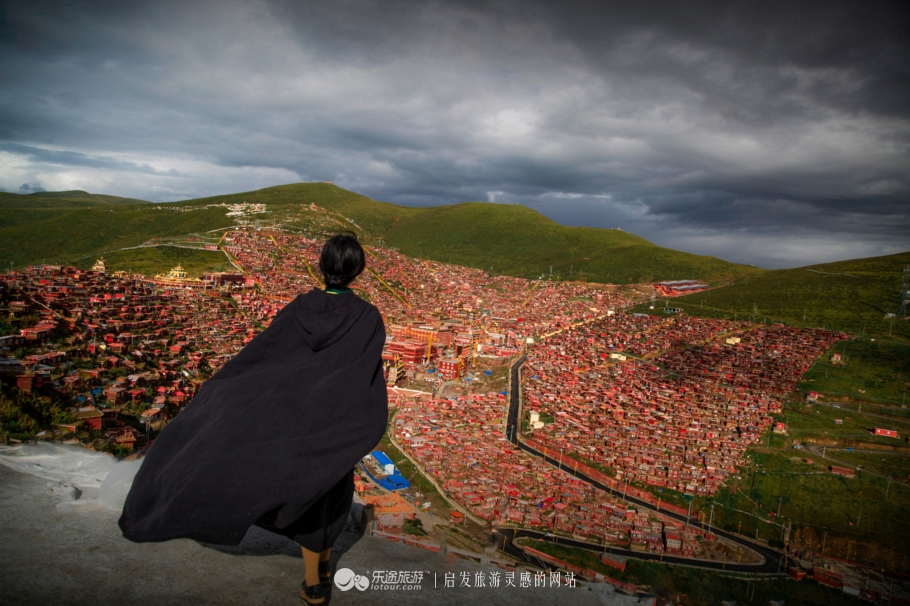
{"points": [[671, 402]]}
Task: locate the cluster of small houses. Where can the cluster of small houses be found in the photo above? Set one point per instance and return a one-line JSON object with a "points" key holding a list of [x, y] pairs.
{"points": [[439, 317], [123, 340], [682, 419], [460, 443]]}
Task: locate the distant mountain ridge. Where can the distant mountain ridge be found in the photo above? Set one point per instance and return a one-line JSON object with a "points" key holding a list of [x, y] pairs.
{"points": [[84, 196], [857, 295], [507, 239], [61, 227]]}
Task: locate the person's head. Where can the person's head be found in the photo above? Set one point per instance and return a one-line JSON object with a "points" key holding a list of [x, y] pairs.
{"points": [[341, 260]]}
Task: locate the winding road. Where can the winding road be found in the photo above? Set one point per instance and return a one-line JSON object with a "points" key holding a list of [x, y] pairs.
{"points": [[822, 451], [772, 560]]}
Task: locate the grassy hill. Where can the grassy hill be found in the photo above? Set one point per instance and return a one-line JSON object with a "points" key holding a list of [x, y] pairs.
{"points": [[64, 227], [517, 240], [510, 239], [850, 295], [78, 234], [77, 195]]}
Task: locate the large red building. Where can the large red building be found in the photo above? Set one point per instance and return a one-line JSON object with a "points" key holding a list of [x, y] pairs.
{"points": [[450, 368], [411, 352]]}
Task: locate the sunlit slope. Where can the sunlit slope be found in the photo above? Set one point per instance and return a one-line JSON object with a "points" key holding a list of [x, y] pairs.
{"points": [[159, 259], [372, 217], [77, 195], [510, 239], [517, 240], [850, 295], [61, 199], [19, 209], [69, 236]]}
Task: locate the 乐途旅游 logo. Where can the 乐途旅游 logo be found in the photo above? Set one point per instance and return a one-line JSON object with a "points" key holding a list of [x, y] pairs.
{"points": [[345, 579]]}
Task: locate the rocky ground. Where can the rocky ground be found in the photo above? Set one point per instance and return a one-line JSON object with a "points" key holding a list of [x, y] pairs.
{"points": [[56, 550]]}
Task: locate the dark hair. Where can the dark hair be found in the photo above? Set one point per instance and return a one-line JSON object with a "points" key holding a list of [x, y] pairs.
{"points": [[341, 261]]}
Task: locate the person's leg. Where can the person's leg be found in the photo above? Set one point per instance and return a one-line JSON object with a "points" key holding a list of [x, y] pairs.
{"points": [[325, 570], [317, 532], [325, 520], [312, 591], [311, 561]]}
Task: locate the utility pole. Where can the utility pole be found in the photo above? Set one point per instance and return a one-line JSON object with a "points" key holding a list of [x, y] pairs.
{"points": [[779, 501], [690, 513], [888, 488], [905, 293], [824, 538], [711, 518]]}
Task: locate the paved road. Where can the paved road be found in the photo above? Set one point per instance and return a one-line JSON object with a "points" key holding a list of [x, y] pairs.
{"points": [[510, 534], [771, 559], [896, 419], [817, 450]]}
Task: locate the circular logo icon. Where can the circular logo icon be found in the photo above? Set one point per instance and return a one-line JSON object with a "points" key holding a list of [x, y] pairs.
{"points": [[345, 579]]}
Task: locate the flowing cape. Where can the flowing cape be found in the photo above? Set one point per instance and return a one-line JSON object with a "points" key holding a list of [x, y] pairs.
{"points": [[279, 424]]}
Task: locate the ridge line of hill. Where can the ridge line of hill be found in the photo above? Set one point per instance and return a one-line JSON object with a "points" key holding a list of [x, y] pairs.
{"points": [[514, 240]]}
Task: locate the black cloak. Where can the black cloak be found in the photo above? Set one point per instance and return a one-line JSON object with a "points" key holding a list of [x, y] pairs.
{"points": [[281, 423]]}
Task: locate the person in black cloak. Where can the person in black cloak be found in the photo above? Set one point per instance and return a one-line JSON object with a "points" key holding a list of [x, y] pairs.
{"points": [[272, 438]]}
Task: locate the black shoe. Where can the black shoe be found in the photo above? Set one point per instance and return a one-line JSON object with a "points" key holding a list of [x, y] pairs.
{"points": [[325, 574], [312, 594]]}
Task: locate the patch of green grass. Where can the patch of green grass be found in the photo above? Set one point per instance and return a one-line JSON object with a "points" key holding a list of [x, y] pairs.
{"points": [[414, 527], [24, 414], [850, 296], [14, 217], [894, 465], [79, 196], [82, 233], [516, 240], [820, 422], [877, 371], [811, 495], [160, 259], [49, 200]]}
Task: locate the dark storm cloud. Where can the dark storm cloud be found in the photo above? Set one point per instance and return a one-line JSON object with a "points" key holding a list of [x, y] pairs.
{"points": [[74, 159], [768, 133]]}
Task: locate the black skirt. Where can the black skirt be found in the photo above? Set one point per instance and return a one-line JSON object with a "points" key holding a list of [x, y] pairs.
{"points": [[317, 525]]}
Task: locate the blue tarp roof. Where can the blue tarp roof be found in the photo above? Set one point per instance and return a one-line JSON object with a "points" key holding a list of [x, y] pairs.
{"points": [[382, 458], [396, 482]]}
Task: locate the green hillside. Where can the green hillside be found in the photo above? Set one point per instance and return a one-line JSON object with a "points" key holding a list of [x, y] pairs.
{"points": [[372, 217], [68, 235], [19, 201], [510, 239], [77, 195], [517, 240], [62, 227], [850, 295]]}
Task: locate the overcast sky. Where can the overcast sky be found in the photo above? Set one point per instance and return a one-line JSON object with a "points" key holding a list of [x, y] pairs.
{"points": [[774, 134]]}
